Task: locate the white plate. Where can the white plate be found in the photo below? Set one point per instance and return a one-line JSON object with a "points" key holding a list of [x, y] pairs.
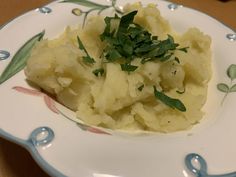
{"points": [[87, 152]]}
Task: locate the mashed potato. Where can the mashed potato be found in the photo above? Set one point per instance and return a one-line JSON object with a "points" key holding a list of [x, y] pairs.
{"points": [[125, 100]]}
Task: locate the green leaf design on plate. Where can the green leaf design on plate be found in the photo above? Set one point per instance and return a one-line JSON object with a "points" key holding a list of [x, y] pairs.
{"points": [[223, 87], [86, 3], [18, 61], [93, 6], [231, 71], [233, 88]]}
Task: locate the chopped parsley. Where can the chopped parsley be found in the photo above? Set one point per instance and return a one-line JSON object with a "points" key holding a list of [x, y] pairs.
{"points": [[180, 91], [171, 102], [86, 59], [140, 88], [184, 49], [177, 59], [131, 41], [98, 72], [128, 67]]}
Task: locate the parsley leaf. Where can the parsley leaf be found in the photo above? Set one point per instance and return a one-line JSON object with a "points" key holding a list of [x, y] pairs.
{"points": [[140, 88], [107, 31], [87, 58], [180, 92], [98, 72], [126, 20], [171, 102], [128, 67], [184, 49], [113, 55], [177, 59]]}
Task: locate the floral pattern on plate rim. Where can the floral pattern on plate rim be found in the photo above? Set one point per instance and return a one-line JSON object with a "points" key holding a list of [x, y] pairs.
{"points": [[51, 104], [231, 87]]}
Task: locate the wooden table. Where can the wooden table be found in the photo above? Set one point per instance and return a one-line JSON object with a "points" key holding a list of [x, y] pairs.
{"points": [[16, 161]]}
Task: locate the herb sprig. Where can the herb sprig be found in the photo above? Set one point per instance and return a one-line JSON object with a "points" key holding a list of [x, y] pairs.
{"points": [[86, 59], [140, 88], [98, 72], [171, 102], [130, 41]]}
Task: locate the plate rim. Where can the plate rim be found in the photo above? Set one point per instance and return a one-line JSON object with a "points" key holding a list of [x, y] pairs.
{"points": [[31, 148]]}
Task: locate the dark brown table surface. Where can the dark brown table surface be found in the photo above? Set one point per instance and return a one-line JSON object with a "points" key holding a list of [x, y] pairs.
{"points": [[15, 161]]}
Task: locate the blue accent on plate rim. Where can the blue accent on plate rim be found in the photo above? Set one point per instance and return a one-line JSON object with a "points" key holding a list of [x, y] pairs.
{"points": [[231, 36], [201, 170], [45, 140], [4, 54], [45, 10], [30, 147], [173, 6]]}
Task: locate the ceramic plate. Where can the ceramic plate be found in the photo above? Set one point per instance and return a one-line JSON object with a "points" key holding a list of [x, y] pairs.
{"points": [[63, 147]]}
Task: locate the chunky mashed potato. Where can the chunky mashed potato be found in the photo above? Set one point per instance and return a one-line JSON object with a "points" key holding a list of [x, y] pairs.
{"points": [[115, 99]]}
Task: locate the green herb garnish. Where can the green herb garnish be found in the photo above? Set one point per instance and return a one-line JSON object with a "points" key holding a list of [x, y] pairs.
{"points": [[130, 41], [171, 102], [180, 92], [86, 59], [140, 88], [128, 67], [125, 21], [177, 59], [98, 72], [185, 49]]}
